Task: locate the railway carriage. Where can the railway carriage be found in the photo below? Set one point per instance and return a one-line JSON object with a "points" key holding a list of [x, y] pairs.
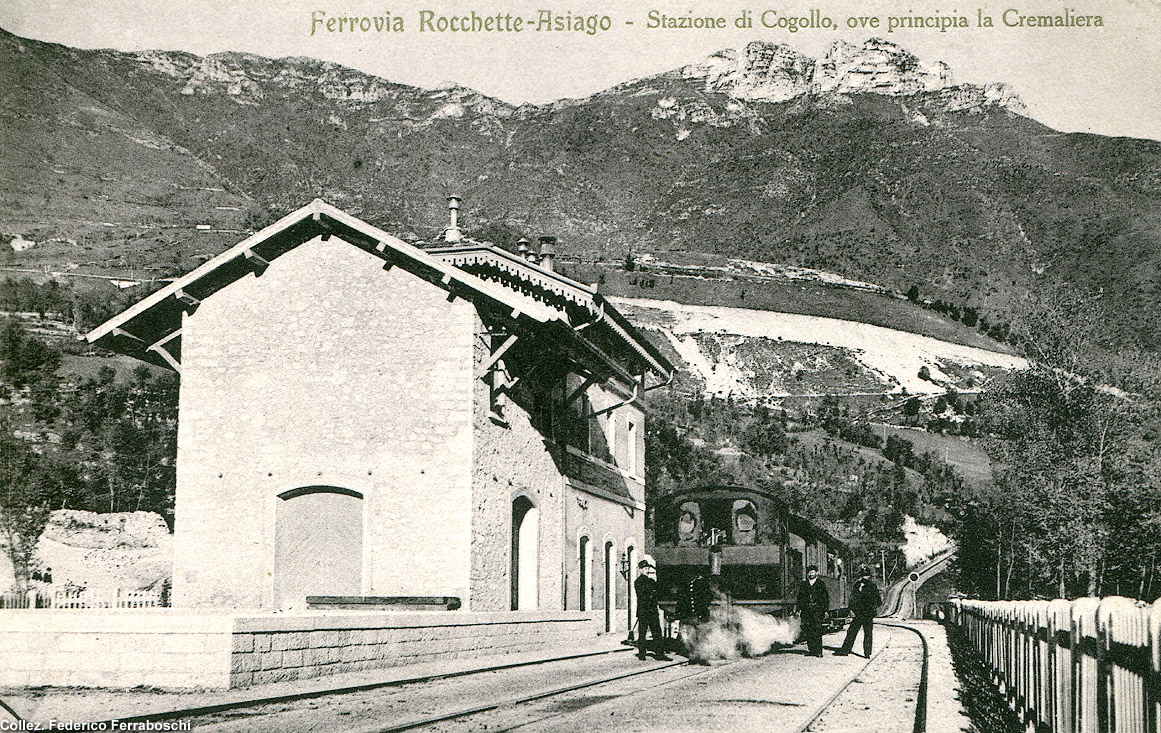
{"points": [[755, 550]]}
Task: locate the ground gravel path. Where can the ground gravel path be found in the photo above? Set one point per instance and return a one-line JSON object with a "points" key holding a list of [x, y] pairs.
{"points": [[883, 697]]}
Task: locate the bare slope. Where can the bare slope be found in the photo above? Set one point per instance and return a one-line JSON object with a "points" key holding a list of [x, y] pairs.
{"points": [[755, 353]]}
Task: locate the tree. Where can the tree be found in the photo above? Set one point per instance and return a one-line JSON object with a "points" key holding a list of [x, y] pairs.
{"points": [[898, 450], [1072, 507], [765, 437], [129, 431], [911, 407], [913, 294], [27, 359], [25, 504]]}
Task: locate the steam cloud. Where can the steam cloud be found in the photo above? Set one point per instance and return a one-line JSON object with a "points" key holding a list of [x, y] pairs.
{"points": [[734, 632]]}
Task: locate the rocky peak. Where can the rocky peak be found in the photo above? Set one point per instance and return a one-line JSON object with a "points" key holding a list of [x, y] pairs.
{"points": [[762, 72], [770, 72], [878, 67]]}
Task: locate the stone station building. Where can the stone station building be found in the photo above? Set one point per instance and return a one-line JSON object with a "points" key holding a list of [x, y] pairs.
{"points": [[369, 428]]}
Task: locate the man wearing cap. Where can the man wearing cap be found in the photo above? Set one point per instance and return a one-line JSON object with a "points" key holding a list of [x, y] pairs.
{"points": [[813, 603], [647, 617], [865, 602]]}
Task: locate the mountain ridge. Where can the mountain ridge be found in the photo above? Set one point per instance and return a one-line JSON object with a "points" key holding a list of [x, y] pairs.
{"points": [[948, 188]]}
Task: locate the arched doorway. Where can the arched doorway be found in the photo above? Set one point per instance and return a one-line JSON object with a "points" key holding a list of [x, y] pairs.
{"points": [[584, 590], [610, 586], [525, 555], [318, 544]]}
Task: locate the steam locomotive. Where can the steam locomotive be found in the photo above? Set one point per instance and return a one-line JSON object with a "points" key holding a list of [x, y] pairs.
{"points": [[755, 551]]}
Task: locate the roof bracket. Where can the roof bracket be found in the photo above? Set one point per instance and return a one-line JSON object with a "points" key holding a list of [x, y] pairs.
{"points": [[168, 357], [496, 356], [118, 331], [589, 381], [187, 299], [256, 261]]}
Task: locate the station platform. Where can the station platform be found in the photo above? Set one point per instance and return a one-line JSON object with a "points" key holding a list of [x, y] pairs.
{"points": [[77, 704], [885, 690]]}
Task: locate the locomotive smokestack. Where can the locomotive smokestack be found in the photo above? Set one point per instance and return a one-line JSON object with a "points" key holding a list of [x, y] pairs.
{"points": [[548, 253], [453, 233]]}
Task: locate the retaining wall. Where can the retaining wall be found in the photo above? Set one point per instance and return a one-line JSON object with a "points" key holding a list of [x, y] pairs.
{"points": [[222, 650]]}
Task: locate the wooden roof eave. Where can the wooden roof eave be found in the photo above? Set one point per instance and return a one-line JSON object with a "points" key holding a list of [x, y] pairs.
{"points": [[159, 315], [566, 288]]}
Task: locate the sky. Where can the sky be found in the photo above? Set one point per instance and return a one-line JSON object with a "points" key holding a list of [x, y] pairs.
{"points": [[1103, 80]]}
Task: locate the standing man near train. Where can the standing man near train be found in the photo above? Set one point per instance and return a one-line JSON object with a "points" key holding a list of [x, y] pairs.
{"points": [[865, 602], [647, 613], [813, 603]]}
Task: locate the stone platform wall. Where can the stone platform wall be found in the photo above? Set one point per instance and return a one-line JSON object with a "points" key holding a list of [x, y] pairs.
{"points": [[179, 649], [274, 649]]}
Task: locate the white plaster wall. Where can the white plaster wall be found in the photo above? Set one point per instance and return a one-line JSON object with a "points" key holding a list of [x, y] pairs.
{"points": [[325, 370]]}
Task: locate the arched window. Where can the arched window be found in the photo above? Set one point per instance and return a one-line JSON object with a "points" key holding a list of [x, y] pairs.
{"points": [[610, 585], [525, 555], [585, 576]]}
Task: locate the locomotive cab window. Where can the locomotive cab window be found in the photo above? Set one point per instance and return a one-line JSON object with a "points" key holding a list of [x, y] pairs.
{"points": [[745, 530], [688, 523]]}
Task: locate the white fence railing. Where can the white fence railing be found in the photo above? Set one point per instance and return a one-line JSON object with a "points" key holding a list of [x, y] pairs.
{"points": [[82, 598], [1086, 666]]}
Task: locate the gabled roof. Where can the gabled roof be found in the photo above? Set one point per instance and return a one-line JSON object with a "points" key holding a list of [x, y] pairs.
{"points": [[526, 294]]}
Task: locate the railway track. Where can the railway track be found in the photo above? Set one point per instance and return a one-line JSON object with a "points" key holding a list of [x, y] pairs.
{"points": [[908, 587], [519, 695]]}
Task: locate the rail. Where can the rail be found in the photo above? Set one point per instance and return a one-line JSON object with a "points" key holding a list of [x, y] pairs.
{"points": [[1086, 666]]}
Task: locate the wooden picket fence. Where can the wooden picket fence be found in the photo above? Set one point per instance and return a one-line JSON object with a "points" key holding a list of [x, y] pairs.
{"points": [[1086, 666], [79, 598]]}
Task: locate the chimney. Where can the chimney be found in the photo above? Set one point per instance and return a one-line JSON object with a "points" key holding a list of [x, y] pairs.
{"points": [[522, 250], [548, 253], [453, 233]]}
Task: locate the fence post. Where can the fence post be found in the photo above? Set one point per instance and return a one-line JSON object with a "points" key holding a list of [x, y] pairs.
{"points": [[1153, 683], [1104, 678]]}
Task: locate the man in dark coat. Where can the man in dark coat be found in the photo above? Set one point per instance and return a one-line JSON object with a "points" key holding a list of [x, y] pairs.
{"points": [[813, 603], [647, 615], [865, 602]]}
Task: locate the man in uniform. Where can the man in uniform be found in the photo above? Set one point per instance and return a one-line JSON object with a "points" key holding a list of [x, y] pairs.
{"points": [[865, 602], [813, 603], [647, 615]]}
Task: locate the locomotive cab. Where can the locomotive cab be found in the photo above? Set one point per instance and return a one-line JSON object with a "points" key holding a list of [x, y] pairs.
{"points": [[754, 550]]}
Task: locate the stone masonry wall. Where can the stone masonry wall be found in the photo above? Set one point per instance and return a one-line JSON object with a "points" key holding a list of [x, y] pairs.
{"points": [[174, 649], [324, 370], [511, 460], [603, 520], [273, 650]]}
